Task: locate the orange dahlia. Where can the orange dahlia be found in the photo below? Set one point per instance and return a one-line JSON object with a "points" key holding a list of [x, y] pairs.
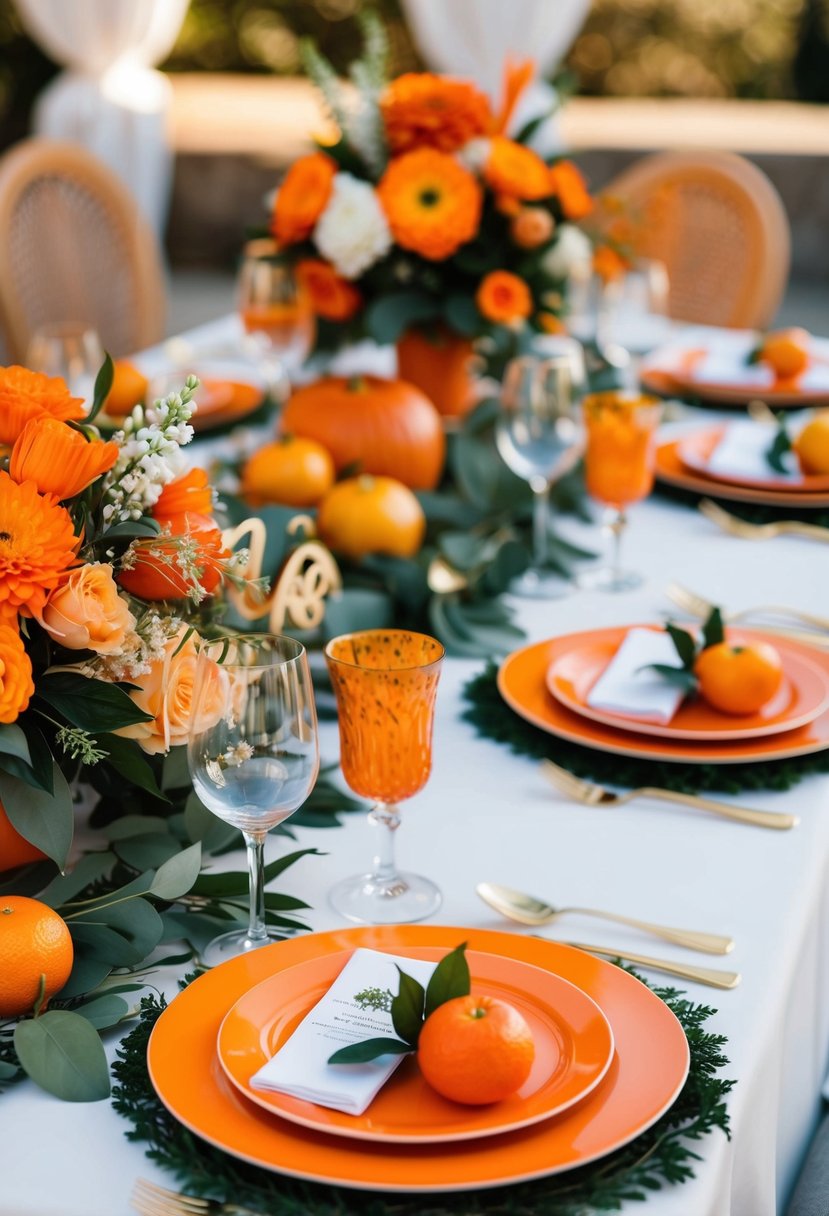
{"points": [[571, 190], [516, 171], [432, 203], [59, 459], [332, 296], [421, 110], [191, 492], [16, 683], [37, 544], [302, 197], [502, 297], [25, 395]]}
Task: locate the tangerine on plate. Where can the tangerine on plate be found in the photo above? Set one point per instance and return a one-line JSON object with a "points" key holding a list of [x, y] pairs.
{"points": [[811, 445], [294, 471], [736, 679], [786, 352], [475, 1050], [34, 943]]}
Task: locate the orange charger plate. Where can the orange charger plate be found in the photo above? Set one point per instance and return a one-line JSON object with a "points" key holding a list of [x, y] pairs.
{"points": [[680, 380], [649, 1067], [671, 471], [802, 696], [221, 401], [696, 450], [522, 682], [572, 1037]]}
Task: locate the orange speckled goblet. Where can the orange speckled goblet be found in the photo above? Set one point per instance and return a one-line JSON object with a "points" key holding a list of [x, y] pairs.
{"points": [[385, 681]]}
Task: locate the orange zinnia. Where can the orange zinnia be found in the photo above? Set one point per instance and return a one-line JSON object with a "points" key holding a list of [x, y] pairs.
{"points": [[58, 459], [502, 297], [432, 203], [16, 683], [191, 492], [516, 171], [571, 190], [421, 110], [302, 197], [37, 543], [25, 395], [332, 296]]}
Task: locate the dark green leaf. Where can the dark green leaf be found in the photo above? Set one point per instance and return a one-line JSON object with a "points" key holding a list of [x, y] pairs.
{"points": [[356, 608], [370, 1049], [126, 757], [780, 445], [712, 631], [131, 528], [236, 882], [449, 979], [92, 705], [27, 880], [680, 676], [88, 869], [461, 315], [87, 973], [391, 314], [146, 852], [119, 933], [47, 820], [175, 775], [208, 829], [63, 1054], [684, 644], [407, 1009], [103, 384], [134, 825]]}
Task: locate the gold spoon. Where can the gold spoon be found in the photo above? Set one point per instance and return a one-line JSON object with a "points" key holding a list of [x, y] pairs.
{"points": [[527, 910]]}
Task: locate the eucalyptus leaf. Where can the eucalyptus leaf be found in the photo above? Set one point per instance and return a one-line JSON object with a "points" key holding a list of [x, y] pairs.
{"points": [[369, 1049], [681, 677], [389, 316], [63, 1054], [105, 1011], [126, 757], [27, 880], [462, 315], [175, 775], [87, 869], [780, 445], [236, 882], [93, 705], [8, 1071], [134, 825], [208, 829], [46, 820], [463, 550], [146, 852], [88, 972], [176, 876], [122, 934], [407, 1008], [450, 979]]}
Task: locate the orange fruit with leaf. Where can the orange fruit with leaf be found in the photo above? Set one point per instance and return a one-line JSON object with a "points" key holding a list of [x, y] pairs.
{"points": [[294, 471], [811, 444], [786, 352], [35, 950], [371, 515], [475, 1050], [737, 679]]}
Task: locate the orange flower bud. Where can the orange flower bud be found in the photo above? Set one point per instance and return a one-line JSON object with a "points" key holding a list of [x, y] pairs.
{"points": [[533, 226]]}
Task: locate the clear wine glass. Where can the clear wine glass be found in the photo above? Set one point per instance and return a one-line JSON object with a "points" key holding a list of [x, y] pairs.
{"points": [[72, 351], [635, 312], [253, 753], [539, 436], [276, 312]]}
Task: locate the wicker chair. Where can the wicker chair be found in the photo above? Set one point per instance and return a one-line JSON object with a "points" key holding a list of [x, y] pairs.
{"points": [[74, 249], [718, 224]]}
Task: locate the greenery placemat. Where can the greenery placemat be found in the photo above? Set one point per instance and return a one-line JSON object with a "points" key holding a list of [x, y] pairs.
{"points": [[493, 718], [665, 1153], [753, 513]]}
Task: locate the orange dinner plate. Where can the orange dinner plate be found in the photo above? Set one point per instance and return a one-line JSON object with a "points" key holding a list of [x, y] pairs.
{"points": [[680, 379], [695, 452], [221, 401], [522, 682], [671, 470], [802, 696], [573, 1051], [648, 1070]]}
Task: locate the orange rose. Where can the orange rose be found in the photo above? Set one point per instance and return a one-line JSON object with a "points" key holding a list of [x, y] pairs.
{"points": [[58, 459], [25, 395], [332, 296], [302, 197], [532, 226], [569, 186], [162, 569], [166, 691], [503, 298], [191, 492], [16, 683], [86, 612]]}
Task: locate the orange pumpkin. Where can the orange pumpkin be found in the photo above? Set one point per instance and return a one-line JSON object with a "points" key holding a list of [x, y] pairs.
{"points": [[380, 426], [371, 515], [293, 471]]}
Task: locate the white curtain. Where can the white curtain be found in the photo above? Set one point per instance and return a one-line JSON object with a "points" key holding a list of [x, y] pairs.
{"points": [[109, 98], [472, 38]]}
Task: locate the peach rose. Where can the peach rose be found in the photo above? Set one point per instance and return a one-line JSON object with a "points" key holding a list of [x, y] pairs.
{"points": [[166, 691], [16, 684], [85, 611]]}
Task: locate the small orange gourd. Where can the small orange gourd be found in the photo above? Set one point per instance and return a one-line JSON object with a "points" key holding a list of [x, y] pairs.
{"points": [[371, 515]]}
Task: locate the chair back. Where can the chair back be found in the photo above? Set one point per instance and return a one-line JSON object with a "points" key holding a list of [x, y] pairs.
{"points": [[719, 226], [74, 249]]}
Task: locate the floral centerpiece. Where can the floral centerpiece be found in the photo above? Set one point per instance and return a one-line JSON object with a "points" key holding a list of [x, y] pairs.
{"points": [[429, 222]]}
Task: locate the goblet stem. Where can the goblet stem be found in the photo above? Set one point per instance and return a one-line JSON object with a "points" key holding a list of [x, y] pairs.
{"points": [[386, 817], [540, 489], [617, 527], [255, 844]]}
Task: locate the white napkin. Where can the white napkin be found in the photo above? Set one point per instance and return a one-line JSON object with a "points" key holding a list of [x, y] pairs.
{"points": [[742, 453], [301, 1067], [724, 361], [623, 689]]}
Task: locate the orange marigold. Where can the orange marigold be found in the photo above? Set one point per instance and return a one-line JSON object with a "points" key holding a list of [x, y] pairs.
{"points": [[515, 170], [16, 683], [502, 297], [423, 110], [25, 395], [191, 492], [432, 203], [37, 543], [59, 459], [332, 296], [302, 197], [569, 186]]}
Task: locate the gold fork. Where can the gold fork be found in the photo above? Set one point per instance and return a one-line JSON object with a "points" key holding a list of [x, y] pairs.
{"points": [[745, 531], [590, 794], [151, 1200], [697, 605]]}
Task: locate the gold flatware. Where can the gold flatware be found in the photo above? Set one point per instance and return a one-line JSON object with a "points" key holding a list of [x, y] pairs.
{"points": [[443, 578], [711, 976], [745, 531], [528, 910], [696, 605], [151, 1200], [590, 794]]}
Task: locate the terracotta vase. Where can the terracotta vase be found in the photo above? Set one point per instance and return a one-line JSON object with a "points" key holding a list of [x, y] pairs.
{"points": [[441, 365]]}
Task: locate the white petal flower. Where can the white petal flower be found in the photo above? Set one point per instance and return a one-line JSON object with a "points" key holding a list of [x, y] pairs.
{"points": [[352, 232], [571, 250]]}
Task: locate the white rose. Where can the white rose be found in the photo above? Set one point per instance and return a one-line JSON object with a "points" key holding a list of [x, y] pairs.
{"points": [[571, 250], [352, 232]]}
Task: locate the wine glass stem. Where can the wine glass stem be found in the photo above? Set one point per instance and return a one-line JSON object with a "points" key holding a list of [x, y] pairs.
{"points": [[386, 817], [540, 513], [255, 844], [617, 527]]}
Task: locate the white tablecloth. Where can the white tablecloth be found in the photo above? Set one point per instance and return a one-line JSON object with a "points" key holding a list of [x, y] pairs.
{"points": [[487, 814]]}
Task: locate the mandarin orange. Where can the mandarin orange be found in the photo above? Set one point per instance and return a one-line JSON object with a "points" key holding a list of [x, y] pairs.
{"points": [[293, 471], [35, 946], [811, 445], [371, 515], [475, 1050], [738, 680], [786, 351]]}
